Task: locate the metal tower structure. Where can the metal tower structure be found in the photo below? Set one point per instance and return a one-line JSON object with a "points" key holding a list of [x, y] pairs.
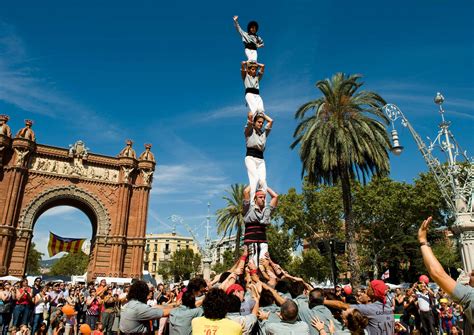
{"points": [[454, 176], [203, 248]]}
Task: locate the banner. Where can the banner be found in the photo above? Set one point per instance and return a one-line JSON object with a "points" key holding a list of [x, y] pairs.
{"points": [[57, 244]]}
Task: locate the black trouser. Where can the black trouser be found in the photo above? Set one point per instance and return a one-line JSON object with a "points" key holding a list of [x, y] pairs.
{"points": [[427, 323]]}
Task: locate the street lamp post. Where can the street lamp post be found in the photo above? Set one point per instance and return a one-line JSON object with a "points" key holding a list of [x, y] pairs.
{"points": [[455, 176]]}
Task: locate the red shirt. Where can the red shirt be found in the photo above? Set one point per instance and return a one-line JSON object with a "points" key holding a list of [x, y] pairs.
{"points": [[24, 298]]}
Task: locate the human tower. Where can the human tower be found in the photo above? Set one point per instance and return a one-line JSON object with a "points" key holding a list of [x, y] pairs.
{"points": [[256, 212]]}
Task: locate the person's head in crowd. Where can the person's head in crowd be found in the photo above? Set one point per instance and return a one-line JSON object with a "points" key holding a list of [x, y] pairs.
{"points": [[24, 329], [198, 286], [377, 290], [351, 300], [99, 326], [92, 292], [266, 298], [188, 299], [138, 291], [443, 303], [43, 327], [455, 330], [24, 283], [236, 290], [355, 321], [56, 287], [215, 304], [297, 289], [160, 287], [316, 297], [234, 304], [150, 295], [62, 286], [103, 282], [283, 286], [37, 282], [289, 311], [330, 295], [338, 290]]}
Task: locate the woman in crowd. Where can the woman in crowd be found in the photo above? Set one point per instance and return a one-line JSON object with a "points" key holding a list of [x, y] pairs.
{"points": [[40, 301], [93, 303], [6, 291]]}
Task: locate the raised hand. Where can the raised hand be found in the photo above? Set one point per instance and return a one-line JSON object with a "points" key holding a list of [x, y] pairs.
{"points": [[423, 231], [236, 17]]}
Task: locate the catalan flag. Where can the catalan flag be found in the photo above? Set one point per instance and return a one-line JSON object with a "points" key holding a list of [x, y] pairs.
{"points": [[57, 244]]}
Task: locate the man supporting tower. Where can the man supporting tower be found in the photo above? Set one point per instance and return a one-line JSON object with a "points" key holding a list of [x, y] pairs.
{"points": [[257, 217]]}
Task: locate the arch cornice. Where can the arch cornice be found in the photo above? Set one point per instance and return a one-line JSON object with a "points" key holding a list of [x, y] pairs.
{"points": [[29, 214]]}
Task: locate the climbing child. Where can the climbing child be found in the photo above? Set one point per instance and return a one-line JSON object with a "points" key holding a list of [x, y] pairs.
{"points": [[250, 38], [252, 73]]}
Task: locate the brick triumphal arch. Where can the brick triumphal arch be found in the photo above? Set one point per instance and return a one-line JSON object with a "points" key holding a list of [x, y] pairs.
{"points": [[112, 191]]}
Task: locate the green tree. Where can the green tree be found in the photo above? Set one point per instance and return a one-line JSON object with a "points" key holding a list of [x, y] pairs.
{"points": [[280, 244], [230, 219], [387, 214], [343, 140], [310, 266], [227, 263], [315, 214], [182, 264], [33, 260], [71, 264]]}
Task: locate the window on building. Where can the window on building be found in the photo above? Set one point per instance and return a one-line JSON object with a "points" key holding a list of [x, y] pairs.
{"points": [[155, 247], [155, 257], [167, 247], [178, 247], [153, 268], [187, 246]]}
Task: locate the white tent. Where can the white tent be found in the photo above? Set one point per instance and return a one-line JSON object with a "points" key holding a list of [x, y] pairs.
{"points": [[10, 278]]}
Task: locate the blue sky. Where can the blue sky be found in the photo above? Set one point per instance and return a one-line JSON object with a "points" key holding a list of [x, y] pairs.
{"points": [[168, 73]]}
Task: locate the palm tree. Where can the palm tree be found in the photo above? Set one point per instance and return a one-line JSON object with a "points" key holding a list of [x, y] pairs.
{"points": [[343, 139], [230, 218]]}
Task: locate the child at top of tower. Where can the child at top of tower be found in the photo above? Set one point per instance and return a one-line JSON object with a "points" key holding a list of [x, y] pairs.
{"points": [[252, 73], [250, 38]]}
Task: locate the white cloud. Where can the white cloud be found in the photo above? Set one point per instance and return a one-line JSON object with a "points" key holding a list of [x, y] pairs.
{"points": [[22, 85]]}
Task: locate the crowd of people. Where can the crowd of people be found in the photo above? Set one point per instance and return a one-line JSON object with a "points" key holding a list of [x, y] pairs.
{"points": [[246, 299]]}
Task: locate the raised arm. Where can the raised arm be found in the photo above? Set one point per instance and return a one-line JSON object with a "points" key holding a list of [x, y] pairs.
{"points": [[278, 298], [237, 25], [248, 128], [432, 264], [269, 121], [274, 195], [336, 304], [243, 69], [247, 193]]}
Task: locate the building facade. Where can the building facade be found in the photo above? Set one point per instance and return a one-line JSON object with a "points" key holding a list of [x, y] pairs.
{"points": [[218, 247], [160, 247]]}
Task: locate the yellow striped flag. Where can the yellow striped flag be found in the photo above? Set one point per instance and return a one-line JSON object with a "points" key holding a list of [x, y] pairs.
{"points": [[57, 244]]}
